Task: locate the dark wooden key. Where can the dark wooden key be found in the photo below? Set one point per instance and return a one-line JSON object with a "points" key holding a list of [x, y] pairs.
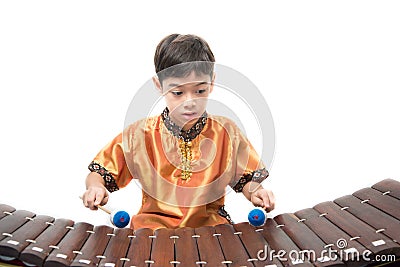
{"points": [[315, 249], [94, 246], [209, 248], [377, 243], [37, 252], [382, 201], [186, 247], [332, 236], [389, 186], [117, 248], [234, 252], [23, 236], [12, 222], [162, 249], [254, 244], [281, 244], [5, 210], [140, 248], [66, 250], [379, 220]]}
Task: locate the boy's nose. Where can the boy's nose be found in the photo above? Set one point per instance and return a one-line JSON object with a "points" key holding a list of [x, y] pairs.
{"points": [[190, 101]]}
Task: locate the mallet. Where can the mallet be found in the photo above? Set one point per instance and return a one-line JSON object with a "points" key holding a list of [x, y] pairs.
{"points": [[257, 217], [119, 218]]}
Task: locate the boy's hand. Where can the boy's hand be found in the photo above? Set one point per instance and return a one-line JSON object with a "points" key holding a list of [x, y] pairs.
{"points": [[263, 198], [94, 196]]}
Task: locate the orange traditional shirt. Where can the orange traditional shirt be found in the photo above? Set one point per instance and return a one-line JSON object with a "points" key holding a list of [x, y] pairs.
{"points": [[151, 150]]}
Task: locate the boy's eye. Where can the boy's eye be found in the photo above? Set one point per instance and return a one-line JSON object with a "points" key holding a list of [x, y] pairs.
{"points": [[201, 91], [177, 93]]}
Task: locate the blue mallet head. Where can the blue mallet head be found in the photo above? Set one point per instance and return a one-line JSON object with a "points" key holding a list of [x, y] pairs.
{"points": [[120, 218], [257, 217]]}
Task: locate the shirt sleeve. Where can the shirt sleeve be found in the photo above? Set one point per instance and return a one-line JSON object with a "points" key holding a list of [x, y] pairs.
{"points": [[111, 165], [248, 164]]}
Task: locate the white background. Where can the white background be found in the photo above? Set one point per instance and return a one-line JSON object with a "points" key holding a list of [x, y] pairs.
{"points": [[329, 71]]}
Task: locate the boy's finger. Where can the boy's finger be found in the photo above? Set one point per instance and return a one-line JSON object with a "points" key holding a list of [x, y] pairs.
{"points": [[99, 198], [90, 199], [271, 200], [104, 201], [266, 202], [84, 200], [258, 202], [271, 206]]}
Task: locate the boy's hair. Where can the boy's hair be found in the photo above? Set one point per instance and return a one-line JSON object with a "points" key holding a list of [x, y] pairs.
{"points": [[176, 49]]}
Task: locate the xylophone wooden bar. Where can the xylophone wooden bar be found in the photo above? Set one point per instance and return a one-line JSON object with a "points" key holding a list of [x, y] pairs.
{"points": [[115, 252], [186, 247], [5, 210], [280, 241], [13, 245], [234, 252], [356, 228], [252, 240], [12, 222], [388, 186], [306, 239], [95, 245], [330, 234], [64, 253], [380, 221], [162, 249], [379, 200], [39, 250], [210, 252], [367, 220], [140, 248]]}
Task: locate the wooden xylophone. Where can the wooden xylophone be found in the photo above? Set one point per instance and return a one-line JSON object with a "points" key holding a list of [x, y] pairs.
{"points": [[337, 233]]}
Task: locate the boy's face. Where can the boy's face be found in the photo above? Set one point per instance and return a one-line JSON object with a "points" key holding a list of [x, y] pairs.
{"points": [[186, 97]]}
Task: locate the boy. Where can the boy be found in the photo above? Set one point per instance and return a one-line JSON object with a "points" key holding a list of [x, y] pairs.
{"points": [[183, 158]]}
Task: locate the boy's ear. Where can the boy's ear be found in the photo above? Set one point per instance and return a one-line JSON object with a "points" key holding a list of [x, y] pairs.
{"points": [[157, 84], [212, 83]]}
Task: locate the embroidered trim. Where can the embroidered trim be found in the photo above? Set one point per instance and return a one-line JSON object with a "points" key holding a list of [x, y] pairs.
{"points": [[177, 131], [255, 176], [222, 212], [185, 149], [109, 180]]}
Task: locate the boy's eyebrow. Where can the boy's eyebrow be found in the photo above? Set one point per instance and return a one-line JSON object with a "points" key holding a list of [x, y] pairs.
{"points": [[173, 85]]}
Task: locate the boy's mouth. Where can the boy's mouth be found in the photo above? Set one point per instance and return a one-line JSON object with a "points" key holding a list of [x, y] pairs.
{"points": [[189, 115]]}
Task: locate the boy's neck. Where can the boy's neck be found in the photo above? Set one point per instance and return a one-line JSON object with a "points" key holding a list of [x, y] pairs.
{"points": [[183, 132]]}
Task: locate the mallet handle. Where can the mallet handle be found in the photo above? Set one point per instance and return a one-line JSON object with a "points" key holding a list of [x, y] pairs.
{"points": [[100, 207], [104, 209]]}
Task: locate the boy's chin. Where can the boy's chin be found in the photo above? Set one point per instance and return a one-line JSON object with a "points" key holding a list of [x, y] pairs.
{"points": [[185, 124]]}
